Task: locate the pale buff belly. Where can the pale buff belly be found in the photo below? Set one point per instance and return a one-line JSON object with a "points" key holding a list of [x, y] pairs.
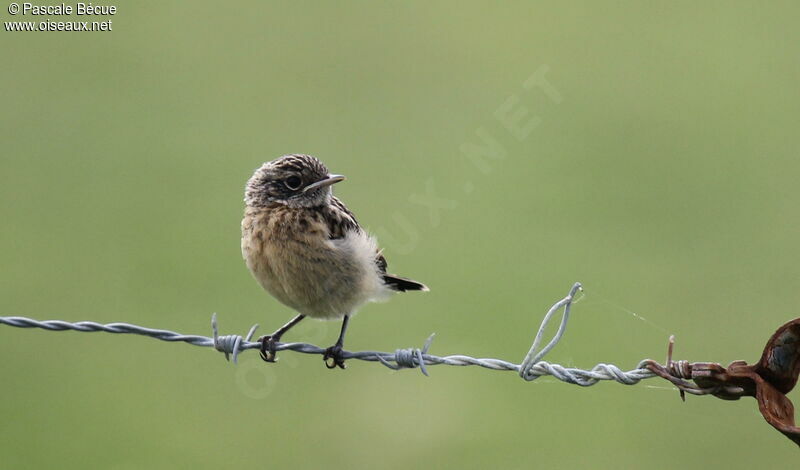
{"points": [[317, 277]]}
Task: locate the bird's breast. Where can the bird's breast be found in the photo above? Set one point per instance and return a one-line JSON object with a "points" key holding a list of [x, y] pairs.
{"points": [[291, 255]]}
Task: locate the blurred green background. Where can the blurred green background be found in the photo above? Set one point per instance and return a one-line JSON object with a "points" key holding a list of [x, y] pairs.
{"points": [[662, 174]]}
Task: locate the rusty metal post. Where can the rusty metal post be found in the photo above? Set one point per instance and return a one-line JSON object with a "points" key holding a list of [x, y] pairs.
{"points": [[768, 380]]}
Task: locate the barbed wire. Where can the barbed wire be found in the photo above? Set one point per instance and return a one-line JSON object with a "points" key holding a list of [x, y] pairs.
{"points": [[531, 368]]}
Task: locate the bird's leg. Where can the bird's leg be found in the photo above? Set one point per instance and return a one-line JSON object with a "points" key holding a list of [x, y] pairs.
{"points": [[268, 342], [335, 352]]}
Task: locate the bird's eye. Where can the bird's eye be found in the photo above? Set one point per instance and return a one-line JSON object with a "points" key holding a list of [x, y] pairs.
{"points": [[293, 182]]}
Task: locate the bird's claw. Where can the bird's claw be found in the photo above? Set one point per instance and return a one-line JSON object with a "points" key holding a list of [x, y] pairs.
{"points": [[267, 348], [333, 357]]}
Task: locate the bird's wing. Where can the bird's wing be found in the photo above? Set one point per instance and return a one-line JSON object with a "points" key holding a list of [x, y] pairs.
{"points": [[340, 220]]}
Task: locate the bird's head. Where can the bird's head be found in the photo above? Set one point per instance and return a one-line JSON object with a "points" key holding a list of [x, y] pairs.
{"points": [[293, 180]]}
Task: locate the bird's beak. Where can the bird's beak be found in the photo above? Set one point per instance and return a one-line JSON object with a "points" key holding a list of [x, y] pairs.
{"points": [[331, 179]]}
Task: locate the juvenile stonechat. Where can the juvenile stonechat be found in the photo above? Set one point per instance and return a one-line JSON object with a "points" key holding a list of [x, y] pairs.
{"points": [[307, 250]]}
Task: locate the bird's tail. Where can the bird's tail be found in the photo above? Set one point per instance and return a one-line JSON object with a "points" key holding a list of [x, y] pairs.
{"points": [[401, 284]]}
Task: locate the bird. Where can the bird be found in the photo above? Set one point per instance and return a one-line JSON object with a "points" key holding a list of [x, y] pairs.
{"points": [[306, 248]]}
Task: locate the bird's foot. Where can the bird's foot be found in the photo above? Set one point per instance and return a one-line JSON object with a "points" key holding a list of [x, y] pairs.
{"points": [[268, 347], [333, 357]]}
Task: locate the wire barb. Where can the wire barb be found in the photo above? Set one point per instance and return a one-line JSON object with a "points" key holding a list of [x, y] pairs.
{"points": [[410, 358], [229, 344]]}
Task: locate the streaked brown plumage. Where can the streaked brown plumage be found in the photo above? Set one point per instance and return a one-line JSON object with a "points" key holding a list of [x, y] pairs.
{"points": [[306, 248]]}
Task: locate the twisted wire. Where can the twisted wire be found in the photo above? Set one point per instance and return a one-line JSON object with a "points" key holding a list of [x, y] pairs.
{"points": [[531, 368]]}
